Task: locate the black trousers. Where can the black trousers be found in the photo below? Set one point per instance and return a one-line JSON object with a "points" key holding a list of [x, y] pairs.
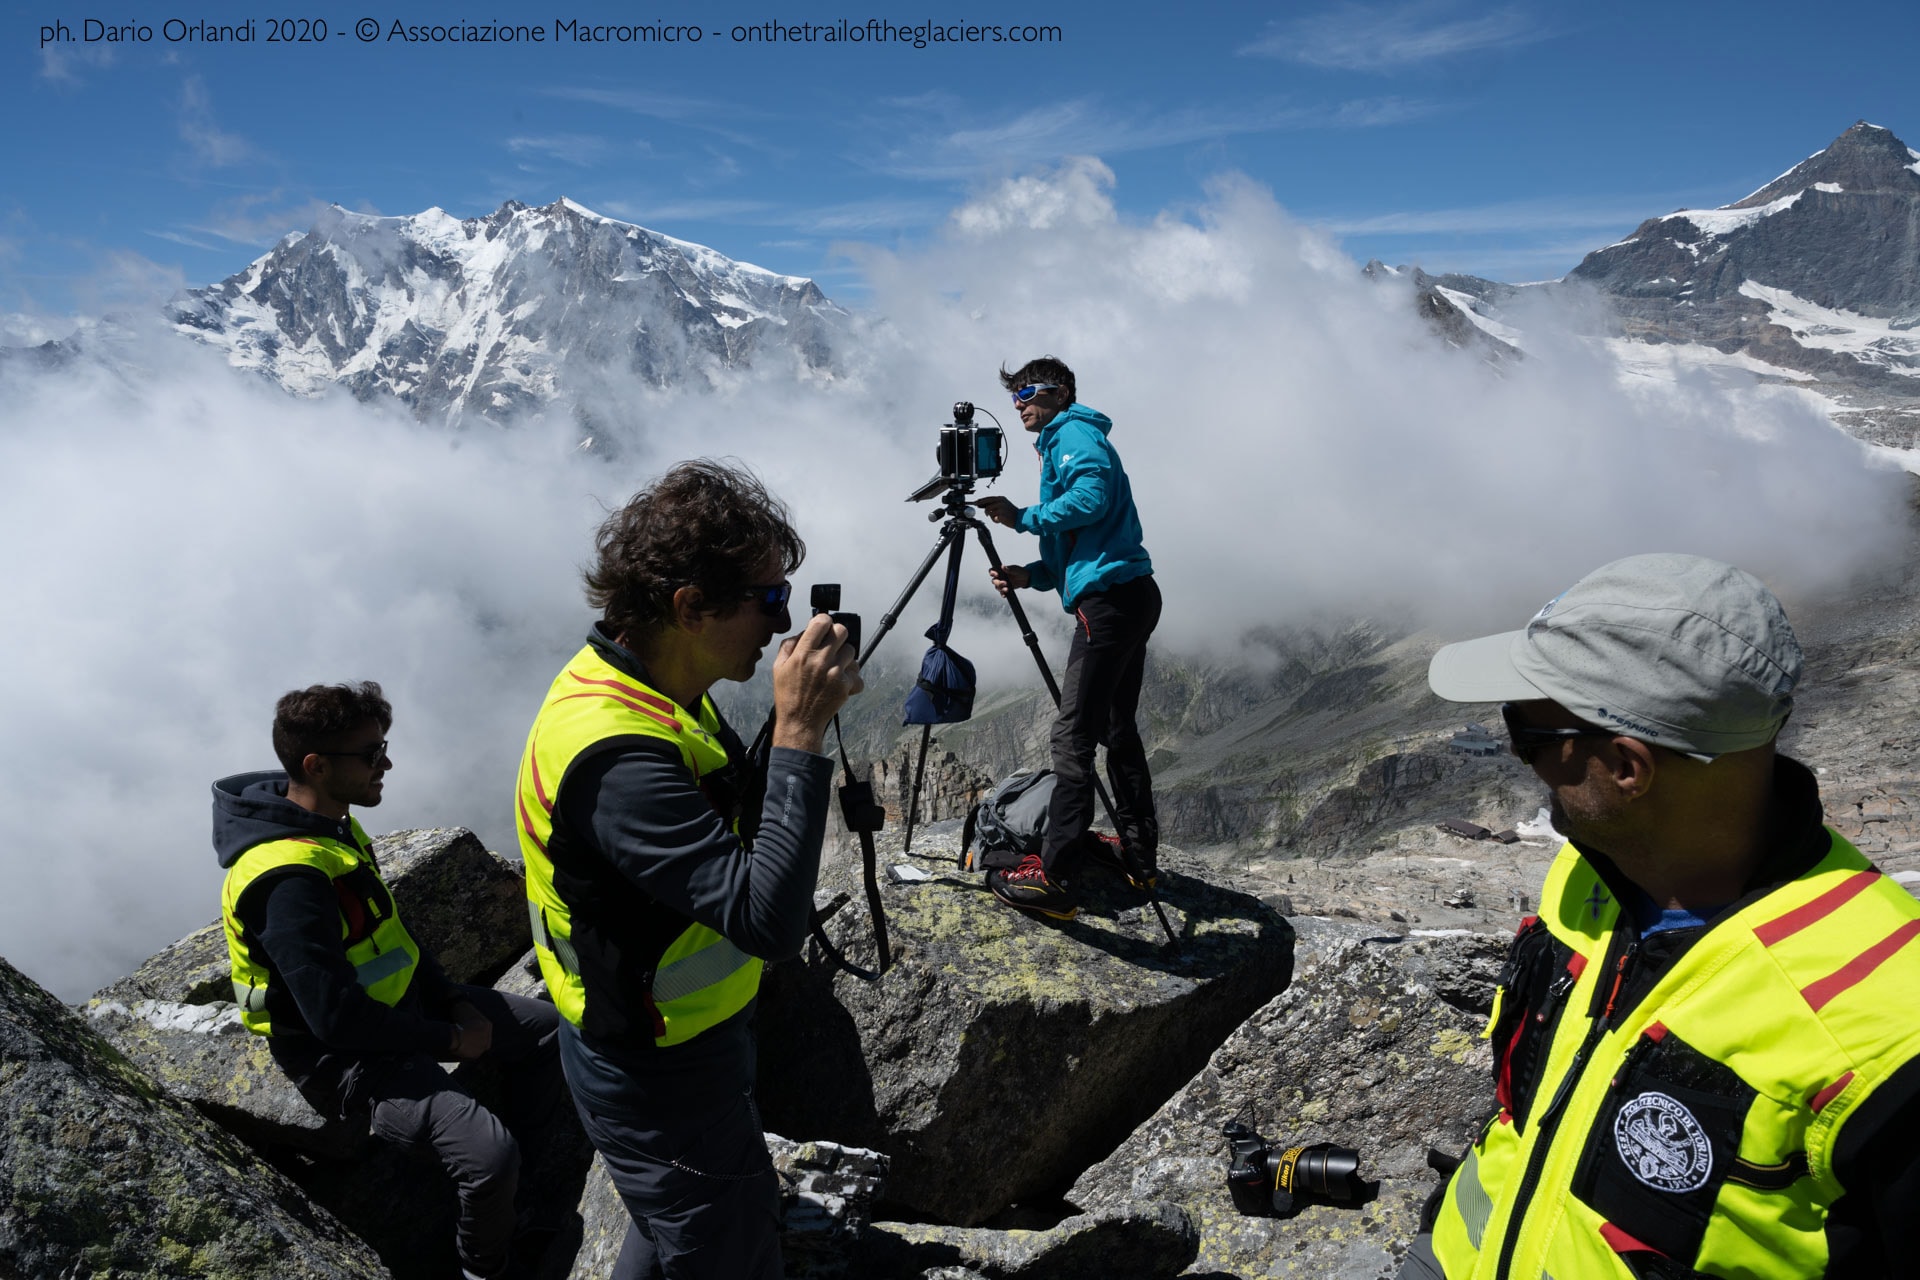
{"points": [[415, 1104], [1099, 698]]}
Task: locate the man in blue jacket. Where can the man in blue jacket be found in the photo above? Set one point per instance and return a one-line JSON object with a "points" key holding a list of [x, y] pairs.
{"points": [[1091, 553]]}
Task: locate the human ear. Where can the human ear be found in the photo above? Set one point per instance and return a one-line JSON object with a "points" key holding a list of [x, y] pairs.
{"points": [[1632, 767], [689, 608]]}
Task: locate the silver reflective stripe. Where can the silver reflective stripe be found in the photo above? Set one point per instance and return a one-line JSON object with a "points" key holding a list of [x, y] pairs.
{"points": [[562, 949], [384, 965], [1471, 1197], [249, 997], [701, 969]]}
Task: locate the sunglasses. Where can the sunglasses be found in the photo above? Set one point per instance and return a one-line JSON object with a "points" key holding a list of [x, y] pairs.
{"points": [[1028, 392], [369, 756], [772, 599], [1528, 739]]}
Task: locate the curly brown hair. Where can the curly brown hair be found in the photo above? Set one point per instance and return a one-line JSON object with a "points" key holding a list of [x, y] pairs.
{"points": [[1041, 369], [703, 524], [307, 720]]}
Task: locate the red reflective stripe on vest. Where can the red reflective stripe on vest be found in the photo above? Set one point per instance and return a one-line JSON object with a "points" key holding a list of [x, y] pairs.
{"points": [[1620, 1242], [658, 703], [539, 788], [1860, 967], [668, 721], [1819, 909], [1829, 1093], [526, 824]]}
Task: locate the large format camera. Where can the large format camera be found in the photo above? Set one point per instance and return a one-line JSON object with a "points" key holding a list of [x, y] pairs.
{"points": [[967, 454], [1272, 1183]]}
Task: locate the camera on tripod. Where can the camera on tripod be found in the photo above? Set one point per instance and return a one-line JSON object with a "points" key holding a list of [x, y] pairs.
{"points": [[967, 454], [1271, 1183]]}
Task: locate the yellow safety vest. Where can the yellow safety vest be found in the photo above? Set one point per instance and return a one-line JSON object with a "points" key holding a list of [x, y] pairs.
{"points": [[383, 954], [1701, 1125], [700, 979]]}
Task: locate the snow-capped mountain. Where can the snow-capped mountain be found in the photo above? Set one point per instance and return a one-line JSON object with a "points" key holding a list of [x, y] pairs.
{"points": [[494, 315], [1816, 272]]}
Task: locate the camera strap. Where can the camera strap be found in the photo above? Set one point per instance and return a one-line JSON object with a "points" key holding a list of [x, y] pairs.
{"points": [[863, 816]]}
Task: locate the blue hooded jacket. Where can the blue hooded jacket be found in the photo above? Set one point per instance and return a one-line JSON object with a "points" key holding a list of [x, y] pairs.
{"points": [[1089, 531]]}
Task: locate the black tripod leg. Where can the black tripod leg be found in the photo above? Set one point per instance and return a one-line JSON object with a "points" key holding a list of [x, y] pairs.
{"points": [[913, 800], [947, 535], [1046, 673]]}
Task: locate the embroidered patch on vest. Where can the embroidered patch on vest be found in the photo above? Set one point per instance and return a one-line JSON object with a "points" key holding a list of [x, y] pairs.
{"points": [[1662, 1144]]}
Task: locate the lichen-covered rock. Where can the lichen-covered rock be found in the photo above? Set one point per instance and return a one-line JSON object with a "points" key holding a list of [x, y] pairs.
{"points": [[826, 1197], [1375, 1046], [1139, 1242], [466, 905], [1002, 1051], [200, 1053], [103, 1174]]}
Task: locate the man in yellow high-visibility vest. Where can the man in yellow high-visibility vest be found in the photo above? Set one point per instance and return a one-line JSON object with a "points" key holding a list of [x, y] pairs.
{"points": [[356, 1012], [663, 867], [1706, 1046]]}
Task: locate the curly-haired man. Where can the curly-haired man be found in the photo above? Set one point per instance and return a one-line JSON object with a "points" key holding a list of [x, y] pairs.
{"points": [[659, 879]]}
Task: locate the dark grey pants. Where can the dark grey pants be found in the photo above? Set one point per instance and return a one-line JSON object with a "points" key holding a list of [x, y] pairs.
{"points": [[1099, 698], [416, 1105]]}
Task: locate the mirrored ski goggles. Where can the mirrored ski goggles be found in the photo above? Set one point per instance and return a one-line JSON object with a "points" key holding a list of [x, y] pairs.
{"points": [[772, 599], [1032, 389]]}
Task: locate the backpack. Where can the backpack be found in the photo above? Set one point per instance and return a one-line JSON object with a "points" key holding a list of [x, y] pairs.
{"points": [[1010, 823]]}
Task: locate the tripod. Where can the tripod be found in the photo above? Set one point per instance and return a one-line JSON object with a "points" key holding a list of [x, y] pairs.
{"points": [[952, 541]]}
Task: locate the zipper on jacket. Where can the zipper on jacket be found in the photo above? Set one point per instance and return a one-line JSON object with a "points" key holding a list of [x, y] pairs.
{"points": [[1549, 1121]]}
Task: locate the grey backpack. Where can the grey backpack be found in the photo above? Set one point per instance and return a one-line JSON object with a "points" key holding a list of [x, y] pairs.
{"points": [[1009, 824]]}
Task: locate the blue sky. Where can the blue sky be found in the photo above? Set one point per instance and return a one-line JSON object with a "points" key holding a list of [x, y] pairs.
{"points": [[1503, 140]]}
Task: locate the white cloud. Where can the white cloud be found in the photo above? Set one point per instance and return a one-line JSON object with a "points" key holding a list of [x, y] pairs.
{"points": [[197, 542], [580, 150], [210, 144], [1356, 37]]}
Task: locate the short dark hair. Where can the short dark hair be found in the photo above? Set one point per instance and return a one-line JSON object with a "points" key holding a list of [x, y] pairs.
{"points": [[306, 720], [703, 524], [1043, 369]]}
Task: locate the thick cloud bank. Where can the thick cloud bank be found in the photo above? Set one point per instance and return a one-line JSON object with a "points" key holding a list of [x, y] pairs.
{"points": [[185, 543]]}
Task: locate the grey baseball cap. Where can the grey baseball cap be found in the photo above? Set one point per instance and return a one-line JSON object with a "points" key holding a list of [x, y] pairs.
{"points": [[1675, 650]]}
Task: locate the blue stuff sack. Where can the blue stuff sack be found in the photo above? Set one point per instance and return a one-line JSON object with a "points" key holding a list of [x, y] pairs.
{"points": [[944, 692]]}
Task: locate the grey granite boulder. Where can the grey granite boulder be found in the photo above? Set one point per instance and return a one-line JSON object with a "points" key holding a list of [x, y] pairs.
{"points": [[466, 905], [1375, 1046], [200, 1053], [1138, 1242], [1003, 1052], [826, 1197], [103, 1174]]}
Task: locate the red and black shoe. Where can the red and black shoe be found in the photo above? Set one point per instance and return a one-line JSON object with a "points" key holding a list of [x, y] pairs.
{"points": [[1109, 852], [1027, 887]]}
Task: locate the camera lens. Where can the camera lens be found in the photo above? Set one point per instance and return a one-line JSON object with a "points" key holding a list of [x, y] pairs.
{"points": [[1327, 1171]]}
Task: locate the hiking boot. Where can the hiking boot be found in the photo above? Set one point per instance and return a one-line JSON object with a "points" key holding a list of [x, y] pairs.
{"points": [[1027, 887], [1108, 852]]}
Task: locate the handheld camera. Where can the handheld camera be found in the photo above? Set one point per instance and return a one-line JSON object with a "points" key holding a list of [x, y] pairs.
{"points": [[1271, 1183], [825, 598], [967, 454]]}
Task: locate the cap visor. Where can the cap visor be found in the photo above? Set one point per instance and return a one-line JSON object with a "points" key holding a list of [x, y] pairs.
{"points": [[1480, 671]]}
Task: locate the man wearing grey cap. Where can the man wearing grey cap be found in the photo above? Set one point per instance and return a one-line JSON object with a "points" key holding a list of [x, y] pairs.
{"points": [[1707, 1044]]}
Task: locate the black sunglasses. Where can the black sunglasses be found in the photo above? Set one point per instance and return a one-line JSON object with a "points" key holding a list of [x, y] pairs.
{"points": [[1528, 739], [772, 599], [369, 756]]}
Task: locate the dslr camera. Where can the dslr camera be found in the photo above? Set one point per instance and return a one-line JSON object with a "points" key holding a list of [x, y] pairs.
{"points": [[1267, 1182]]}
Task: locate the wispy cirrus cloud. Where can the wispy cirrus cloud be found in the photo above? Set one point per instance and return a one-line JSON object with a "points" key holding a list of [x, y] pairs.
{"points": [[1501, 217], [1391, 37], [1090, 126], [63, 66], [581, 150], [210, 144]]}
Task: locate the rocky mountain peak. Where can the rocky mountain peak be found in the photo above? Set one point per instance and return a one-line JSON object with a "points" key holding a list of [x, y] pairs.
{"points": [[1865, 159], [497, 314]]}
